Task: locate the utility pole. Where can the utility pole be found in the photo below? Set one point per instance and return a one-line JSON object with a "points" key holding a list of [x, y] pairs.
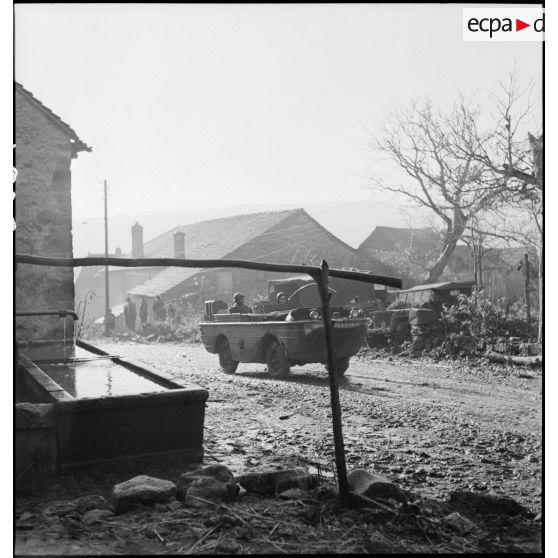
{"points": [[107, 303]]}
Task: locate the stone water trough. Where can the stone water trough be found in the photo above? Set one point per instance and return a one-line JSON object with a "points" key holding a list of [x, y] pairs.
{"points": [[96, 407]]}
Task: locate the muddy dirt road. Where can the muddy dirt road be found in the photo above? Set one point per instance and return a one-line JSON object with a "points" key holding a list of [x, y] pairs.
{"points": [[432, 428]]}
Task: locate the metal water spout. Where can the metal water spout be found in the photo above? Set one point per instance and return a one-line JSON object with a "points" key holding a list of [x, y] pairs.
{"points": [[60, 313]]}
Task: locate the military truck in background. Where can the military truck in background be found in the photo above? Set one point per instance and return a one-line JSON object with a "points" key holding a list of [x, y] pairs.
{"points": [[414, 313], [346, 293]]}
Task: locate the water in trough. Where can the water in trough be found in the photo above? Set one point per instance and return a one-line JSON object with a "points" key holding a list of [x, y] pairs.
{"points": [[98, 377]]}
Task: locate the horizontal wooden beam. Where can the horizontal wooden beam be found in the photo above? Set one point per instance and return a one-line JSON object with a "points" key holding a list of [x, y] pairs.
{"points": [[313, 271]]}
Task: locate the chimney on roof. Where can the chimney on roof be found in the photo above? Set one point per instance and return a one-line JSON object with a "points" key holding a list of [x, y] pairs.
{"points": [[179, 245], [137, 241]]}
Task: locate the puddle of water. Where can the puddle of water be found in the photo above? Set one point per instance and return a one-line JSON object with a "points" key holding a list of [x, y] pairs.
{"points": [[98, 378]]}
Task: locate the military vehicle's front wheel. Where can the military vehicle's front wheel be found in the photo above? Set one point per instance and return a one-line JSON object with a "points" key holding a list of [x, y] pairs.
{"points": [[276, 360], [228, 365], [341, 366]]}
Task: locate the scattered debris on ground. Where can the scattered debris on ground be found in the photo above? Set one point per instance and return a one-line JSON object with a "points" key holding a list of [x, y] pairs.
{"points": [[445, 456], [261, 517]]}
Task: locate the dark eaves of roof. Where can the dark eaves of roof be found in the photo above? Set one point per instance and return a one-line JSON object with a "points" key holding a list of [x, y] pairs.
{"points": [[78, 145]]}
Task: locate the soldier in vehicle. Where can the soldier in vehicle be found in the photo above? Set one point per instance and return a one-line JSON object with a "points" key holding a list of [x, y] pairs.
{"points": [[239, 307]]}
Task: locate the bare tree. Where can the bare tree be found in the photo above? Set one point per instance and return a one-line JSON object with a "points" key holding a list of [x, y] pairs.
{"points": [[510, 151], [439, 153], [516, 156], [472, 171]]}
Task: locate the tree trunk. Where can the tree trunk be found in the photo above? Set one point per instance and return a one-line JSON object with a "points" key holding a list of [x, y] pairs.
{"points": [[527, 296], [480, 283], [449, 247], [474, 251]]}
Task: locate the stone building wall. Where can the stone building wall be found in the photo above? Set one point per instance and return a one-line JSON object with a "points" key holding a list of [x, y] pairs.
{"points": [[44, 221]]}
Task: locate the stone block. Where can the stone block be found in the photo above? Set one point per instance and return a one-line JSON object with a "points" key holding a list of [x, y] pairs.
{"points": [[142, 490], [271, 482], [90, 502], [215, 483], [374, 486]]}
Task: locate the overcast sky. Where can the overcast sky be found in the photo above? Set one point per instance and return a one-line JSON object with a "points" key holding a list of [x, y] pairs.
{"points": [[190, 106]]}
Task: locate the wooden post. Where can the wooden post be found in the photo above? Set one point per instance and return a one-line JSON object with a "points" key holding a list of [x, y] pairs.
{"points": [[322, 280], [527, 298]]}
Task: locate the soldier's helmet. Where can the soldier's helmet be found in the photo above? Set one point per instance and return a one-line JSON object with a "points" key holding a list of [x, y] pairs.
{"points": [[238, 296]]}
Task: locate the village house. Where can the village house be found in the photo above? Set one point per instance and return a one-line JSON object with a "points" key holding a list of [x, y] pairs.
{"points": [[45, 147], [392, 239], [409, 250], [287, 237], [90, 282]]}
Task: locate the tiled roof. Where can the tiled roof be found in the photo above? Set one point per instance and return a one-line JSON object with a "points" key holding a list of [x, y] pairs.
{"points": [[213, 239], [393, 238], [268, 236], [164, 281], [78, 144]]}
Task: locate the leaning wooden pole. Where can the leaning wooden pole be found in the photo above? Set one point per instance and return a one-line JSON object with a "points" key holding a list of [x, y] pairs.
{"points": [[90, 261], [322, 280]]}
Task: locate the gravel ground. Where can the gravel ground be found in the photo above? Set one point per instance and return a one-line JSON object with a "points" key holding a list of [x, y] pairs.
{"points": [[433, 428], [429, 427]]}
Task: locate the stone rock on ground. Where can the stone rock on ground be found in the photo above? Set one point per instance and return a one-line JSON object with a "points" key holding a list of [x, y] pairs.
{"points": [[218, 472], [228, 547], [215, 483], [95, 516], [374, 486], [271, 482], [477, 503], [90, 502], [294, 494], [461, 525], [206, 488], [60, 508], [142, 490], [26, 516]]}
